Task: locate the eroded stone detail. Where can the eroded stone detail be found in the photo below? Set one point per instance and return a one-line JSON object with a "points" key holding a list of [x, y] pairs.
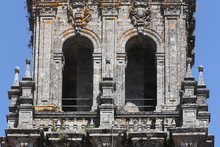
{"points": [[171, 9], [78, 14], [140, 13], [169, 108]]}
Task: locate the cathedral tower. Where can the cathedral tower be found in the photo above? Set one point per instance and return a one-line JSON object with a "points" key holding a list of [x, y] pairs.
{"points": [[110, 73]]}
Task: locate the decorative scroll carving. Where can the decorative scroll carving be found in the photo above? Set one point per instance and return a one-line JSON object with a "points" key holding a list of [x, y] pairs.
{"points": [[78, 14], [140, 14]]}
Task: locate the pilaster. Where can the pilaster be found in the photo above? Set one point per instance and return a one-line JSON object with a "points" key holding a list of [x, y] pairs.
{"points": [[120, 65], [171, 13], [109, 16], [46, 12], [56, 79], [97, 76], [160, 63]]}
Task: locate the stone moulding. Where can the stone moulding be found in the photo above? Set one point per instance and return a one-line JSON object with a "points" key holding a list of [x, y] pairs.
{"points": [[47, 108], [84, 32]]}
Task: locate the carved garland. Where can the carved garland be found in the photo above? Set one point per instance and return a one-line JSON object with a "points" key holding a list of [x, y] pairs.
{"points": [[140, 14], [78, 15]]}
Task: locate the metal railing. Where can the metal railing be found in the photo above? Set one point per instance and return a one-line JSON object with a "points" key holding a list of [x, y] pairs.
{"points": [[144, 104], [76, 104]]}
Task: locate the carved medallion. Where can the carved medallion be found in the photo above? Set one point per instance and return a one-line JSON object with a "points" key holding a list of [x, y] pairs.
{"points": [[140, 14], [78, 14]]}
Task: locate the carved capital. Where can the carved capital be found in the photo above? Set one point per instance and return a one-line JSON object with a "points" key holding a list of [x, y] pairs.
{"points": [[169, 9], [47, 8], [78, 14], [109, 8]]}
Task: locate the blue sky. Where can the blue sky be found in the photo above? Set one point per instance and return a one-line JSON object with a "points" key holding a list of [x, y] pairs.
{"points": [[14, 37]]}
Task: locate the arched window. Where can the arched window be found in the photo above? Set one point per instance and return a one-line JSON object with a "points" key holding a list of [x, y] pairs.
{"points": [[140, 77], [77, 74]]}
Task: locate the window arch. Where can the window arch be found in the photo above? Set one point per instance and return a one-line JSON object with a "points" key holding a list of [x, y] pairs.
{"points": [[140, 75], [77, 89]]}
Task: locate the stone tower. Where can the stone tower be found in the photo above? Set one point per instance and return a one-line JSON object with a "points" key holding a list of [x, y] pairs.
{"points": [[110, 73]]}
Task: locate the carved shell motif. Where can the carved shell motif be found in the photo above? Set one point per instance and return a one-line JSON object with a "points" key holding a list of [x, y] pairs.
{"points": [[78, 15]]}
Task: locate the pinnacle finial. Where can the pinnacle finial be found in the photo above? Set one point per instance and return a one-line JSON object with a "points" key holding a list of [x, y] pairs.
{"points": [[16, 79], [200, 68], [189, 70], [201, 80], [27, 72]]}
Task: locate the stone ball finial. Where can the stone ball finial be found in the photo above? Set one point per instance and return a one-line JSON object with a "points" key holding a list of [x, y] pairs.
{"points": [[200, 68], [28, 61], [189, 60], [17, 69]]}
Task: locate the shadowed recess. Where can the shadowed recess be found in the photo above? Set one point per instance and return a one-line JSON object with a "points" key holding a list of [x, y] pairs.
{"points": [[140, 76], [77, 74]]}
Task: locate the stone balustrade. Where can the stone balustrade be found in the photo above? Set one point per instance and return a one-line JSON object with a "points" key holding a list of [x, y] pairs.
{"points": [[130, 124], [145, 124]]}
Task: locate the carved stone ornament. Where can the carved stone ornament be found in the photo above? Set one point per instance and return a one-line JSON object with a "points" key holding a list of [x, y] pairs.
{"points": [[140, 14], [78, 14]]}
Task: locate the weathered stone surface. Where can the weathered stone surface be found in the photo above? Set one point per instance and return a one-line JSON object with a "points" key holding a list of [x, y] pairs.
{"points": [[110, 73]]}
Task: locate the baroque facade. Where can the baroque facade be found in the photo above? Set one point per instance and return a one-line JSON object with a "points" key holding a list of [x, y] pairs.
{"points": [[110, 73]]}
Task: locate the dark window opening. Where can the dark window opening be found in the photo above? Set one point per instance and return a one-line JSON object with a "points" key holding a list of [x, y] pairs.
{"points": [[140, 76], [77, 74]]}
